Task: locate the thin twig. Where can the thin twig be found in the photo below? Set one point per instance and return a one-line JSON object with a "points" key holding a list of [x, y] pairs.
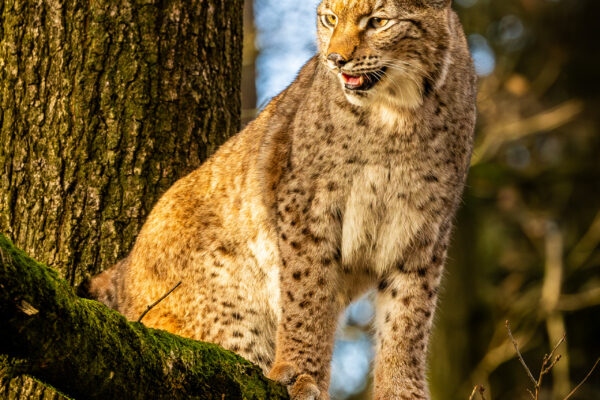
{"points": [[544, 371], [583, 381], [531, 394], [474, 392], [151, 306], [550, 358], [519, 354], [477, 389], [561, 341]]}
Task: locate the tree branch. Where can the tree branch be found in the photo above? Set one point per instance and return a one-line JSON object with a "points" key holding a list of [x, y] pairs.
{"points": [[88, 351]]}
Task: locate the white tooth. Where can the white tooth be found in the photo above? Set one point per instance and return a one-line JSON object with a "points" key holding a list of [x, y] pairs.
{"points": [[362, 80]]}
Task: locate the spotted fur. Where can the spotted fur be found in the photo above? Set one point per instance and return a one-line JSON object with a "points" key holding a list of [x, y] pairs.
{"points": [[328, 193]]}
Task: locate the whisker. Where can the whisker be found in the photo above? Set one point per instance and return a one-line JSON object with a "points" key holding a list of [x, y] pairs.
{"points": [[409, 76], [407, 67]]}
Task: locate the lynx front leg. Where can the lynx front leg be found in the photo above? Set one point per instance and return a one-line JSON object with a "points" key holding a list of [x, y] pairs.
{"points": [[406, 301], [310, 309]]}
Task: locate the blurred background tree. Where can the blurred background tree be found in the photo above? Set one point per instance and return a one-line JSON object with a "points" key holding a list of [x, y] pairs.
{"points": [[526, 245]]}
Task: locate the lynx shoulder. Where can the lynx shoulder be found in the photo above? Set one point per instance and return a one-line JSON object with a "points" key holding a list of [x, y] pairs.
{"points": [[347, 181]]}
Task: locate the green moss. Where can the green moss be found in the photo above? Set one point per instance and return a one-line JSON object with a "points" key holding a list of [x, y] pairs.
{"points": [[85, 349]]}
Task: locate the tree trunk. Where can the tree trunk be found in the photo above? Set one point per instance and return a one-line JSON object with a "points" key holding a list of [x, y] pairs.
{"points": [[88, 351], [249, 106], [103, 105]]}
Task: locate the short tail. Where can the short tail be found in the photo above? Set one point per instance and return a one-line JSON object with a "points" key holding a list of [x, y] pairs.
{"points": [[103, 287]]}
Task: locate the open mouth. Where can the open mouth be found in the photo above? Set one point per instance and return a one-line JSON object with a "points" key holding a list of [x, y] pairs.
{"points": [[363, 81]]}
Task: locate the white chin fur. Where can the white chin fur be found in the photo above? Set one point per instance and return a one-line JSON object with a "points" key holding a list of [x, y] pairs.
{"points": [[358, 100], [398, 91]]}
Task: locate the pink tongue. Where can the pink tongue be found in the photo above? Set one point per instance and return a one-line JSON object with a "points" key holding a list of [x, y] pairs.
{"points": [[353, 80]]}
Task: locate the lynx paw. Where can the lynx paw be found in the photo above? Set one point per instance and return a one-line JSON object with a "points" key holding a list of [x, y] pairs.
{"points": [[300, 386], [305, 388]]}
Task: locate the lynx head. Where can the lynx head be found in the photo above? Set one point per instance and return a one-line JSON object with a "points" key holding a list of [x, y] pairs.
{"points": [[386, 51]]}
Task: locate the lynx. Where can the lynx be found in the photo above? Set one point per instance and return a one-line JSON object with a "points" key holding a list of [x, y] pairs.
{"points": [[347, 181]]}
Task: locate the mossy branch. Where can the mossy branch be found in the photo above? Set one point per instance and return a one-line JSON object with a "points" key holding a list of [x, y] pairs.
{"points": [[88, 351]]}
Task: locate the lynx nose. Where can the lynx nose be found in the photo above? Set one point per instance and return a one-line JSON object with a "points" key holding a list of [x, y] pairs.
{"points": [[337, 59]]}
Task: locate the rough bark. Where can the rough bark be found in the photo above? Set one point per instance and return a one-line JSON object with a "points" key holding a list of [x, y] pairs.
{"points": [[88, 351], [249, 106], [103, 105]]}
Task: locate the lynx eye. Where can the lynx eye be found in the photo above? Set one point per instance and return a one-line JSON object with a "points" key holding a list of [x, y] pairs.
{"points": [[329, 20], [377, 23]]}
